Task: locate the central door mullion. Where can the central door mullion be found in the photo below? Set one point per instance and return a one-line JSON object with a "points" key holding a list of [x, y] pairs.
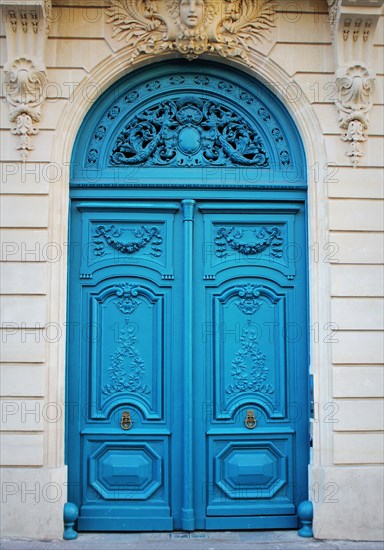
{"points": [[188, 514]]}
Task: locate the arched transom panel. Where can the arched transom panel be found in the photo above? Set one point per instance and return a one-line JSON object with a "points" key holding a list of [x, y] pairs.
{"points": [[182, 115]]}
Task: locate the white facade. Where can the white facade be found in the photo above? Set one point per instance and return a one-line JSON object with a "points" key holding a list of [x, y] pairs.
{"points": [[299, 61]]}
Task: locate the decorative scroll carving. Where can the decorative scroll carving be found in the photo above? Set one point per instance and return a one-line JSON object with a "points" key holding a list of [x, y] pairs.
{"points": [[25, 92], [127, 379], [127, 302], [353, 25], [160, 128], [192, 27], [265, 238], [333, 10], [189, 132], [26, 24], [110, 236], [355, 99], [249, 372], [249, 303]]}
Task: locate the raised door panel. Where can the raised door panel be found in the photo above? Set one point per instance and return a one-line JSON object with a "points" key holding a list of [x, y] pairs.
{"points": [[126, 233], [256, 235], [248, 360], [128, 346], [250, 475]]}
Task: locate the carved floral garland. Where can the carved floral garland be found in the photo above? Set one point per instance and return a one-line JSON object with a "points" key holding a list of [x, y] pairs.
{"points": [[266, 237], [245, 379], [109, 235], [122, 378]]}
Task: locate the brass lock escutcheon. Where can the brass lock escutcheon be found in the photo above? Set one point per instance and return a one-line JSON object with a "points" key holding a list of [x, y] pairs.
{"points": [[126, 421], [250, 420]]}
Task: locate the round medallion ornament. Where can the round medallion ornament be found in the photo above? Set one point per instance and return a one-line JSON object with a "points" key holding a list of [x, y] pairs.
{"points": [[189, 140]]}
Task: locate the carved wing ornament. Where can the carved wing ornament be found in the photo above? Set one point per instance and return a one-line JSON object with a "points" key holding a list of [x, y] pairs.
{"points": [[249, 23], [136, 21], [192, 27]]}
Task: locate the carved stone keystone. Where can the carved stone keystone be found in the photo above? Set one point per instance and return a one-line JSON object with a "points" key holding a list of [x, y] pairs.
{"points": [[192, 27]]}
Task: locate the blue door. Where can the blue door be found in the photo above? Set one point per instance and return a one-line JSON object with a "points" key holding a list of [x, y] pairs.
{"points": [[187, 328]]}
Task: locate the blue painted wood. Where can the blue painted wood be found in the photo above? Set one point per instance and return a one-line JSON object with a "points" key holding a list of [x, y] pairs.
{"points": [[70, 516], [305, 513], [187, 516], [205, 119], [187, 306]]}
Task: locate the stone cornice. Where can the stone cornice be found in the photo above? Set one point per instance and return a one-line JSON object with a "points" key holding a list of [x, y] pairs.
{"points": [[353, 28], [26, 25]]}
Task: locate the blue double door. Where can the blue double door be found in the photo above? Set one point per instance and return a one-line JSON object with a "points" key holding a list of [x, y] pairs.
{"points": [[187, 354]]}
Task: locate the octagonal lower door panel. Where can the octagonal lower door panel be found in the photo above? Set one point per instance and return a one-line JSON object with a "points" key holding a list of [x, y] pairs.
{"points": [[126, 480], [250, 475]]}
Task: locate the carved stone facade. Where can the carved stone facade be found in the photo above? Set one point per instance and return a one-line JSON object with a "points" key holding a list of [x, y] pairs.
{"points": [[230, 29]]}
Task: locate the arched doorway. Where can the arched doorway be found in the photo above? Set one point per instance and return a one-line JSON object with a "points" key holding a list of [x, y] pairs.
{"points": [[187, 350]]}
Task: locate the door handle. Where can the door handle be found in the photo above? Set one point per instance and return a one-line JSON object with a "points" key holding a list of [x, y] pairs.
{"points": [[126, 421], [250, 419]]}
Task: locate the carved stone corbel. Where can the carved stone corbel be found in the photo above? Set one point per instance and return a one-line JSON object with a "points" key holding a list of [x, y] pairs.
{"points": [[355, 98], [353, 25], [27, 25]]}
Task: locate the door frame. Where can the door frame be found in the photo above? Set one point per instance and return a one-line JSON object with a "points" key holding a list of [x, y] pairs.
{"points": [[311, 135]]}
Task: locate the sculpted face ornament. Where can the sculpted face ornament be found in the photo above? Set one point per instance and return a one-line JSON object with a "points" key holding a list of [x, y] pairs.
{"points": [[192, 13], [230, 28]]}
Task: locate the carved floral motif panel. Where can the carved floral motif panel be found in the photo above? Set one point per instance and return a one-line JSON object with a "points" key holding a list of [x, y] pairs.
{"points": [[189, 131], [126, 358], [249, 357]]}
